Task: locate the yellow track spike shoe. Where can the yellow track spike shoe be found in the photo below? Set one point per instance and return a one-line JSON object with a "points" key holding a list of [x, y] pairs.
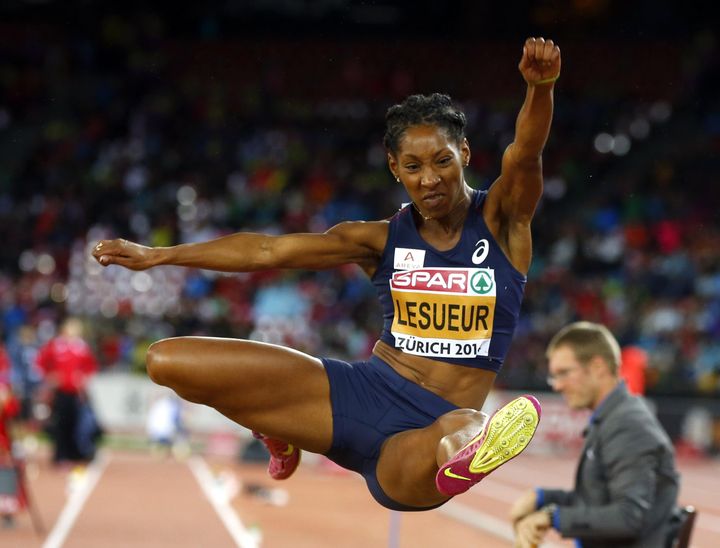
{"points": [[504, 437]]}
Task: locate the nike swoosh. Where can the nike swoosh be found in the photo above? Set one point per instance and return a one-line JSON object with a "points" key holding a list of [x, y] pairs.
{"points": [[450, 474]]}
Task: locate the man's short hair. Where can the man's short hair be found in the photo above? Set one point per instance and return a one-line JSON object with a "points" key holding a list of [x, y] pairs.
{"points": [[588, 340]]}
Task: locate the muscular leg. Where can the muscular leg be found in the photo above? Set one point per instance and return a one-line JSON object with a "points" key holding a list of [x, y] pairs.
{"points": [[278, 391], [409, 460]]}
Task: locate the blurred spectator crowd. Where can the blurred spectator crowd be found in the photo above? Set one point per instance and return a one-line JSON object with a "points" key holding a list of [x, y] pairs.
{"points": [[126, 131]]}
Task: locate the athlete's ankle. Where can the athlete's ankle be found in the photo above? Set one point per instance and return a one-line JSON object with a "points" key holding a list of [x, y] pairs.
{"points": [[454, 442], [447, 448]]}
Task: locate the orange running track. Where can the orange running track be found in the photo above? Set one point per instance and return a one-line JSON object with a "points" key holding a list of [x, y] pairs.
{"points": [[132, 499]]}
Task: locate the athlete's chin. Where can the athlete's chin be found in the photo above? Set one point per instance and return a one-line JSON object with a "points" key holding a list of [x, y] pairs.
{"points": [[440, 212], [435, 204]]}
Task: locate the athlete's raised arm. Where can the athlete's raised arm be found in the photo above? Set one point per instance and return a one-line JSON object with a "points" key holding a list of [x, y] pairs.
{"points": [[515, 194]]}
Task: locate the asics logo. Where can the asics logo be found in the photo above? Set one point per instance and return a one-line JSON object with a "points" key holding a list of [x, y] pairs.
{"points": [[450, 474], [482, 248]]}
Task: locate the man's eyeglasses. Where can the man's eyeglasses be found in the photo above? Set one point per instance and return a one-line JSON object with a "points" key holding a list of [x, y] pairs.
{"points": [[560, 375]]}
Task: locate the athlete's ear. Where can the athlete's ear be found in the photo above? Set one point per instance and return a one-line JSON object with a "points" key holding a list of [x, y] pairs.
{"points": [[465, 152], [393, 165]]}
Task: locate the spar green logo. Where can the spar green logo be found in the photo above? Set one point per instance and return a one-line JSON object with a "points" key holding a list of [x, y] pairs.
{"points": [[482, 282]]}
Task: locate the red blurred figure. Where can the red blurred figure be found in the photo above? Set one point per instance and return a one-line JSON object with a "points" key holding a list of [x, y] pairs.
{"points": [[12, 498], [633, 363], [67, 363], [9, 405]]}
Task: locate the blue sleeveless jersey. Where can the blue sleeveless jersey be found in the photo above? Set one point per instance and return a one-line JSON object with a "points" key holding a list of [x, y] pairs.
{"points": [[459, 306]]}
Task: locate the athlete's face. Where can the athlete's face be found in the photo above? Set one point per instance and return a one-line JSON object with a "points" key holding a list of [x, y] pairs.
{"points": [[430, 167]]}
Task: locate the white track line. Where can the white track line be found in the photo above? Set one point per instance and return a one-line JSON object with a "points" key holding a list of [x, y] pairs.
{"points": [[479, 520], [242, 536], [75, 502]]}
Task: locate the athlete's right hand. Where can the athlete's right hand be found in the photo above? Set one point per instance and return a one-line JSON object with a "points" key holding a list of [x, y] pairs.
{"points": [[124, 253]]}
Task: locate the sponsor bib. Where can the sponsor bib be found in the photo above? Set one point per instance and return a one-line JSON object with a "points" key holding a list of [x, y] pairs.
{"points": [[443, 312]]}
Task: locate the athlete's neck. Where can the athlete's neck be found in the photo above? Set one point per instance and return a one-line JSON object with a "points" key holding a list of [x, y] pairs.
{"points": [[455, 218]]}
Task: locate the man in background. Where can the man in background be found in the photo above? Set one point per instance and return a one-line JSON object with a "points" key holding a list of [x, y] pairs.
{"points": [[67, 363], [626, 486]]}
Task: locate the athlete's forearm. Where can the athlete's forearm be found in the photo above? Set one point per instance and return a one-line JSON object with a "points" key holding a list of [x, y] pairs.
{"points": [[533, 123], [241, 252]]}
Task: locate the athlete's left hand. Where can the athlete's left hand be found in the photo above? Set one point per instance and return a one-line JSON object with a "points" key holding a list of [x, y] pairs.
{"points": [[540, 62]]}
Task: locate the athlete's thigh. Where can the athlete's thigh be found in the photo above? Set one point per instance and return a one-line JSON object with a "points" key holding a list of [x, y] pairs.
{"points": [[278, 391]]}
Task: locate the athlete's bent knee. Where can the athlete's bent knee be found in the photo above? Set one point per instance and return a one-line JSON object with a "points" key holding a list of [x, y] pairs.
{"points": [[157, 362]]}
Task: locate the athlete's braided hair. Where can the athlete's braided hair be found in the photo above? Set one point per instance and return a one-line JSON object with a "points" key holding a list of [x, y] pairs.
{"points": [[436, 110]]}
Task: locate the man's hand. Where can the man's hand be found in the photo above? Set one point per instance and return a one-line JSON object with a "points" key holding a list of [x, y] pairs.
{"points": [[531, 530], [124, 253], [540, 62], [523, 506]]}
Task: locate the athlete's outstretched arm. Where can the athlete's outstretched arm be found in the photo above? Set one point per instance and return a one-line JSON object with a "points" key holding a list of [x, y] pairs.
{"points": [[349, 242]]}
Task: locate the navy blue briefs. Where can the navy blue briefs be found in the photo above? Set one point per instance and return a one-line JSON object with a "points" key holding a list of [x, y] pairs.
{"points": [[370, 403]]}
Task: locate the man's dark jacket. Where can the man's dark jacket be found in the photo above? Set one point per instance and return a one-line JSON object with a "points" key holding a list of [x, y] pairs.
{"points": [[626, 484]]}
